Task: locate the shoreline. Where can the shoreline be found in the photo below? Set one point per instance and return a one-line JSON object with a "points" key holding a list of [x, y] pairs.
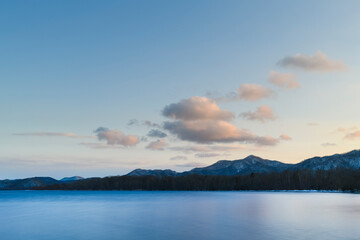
{"points": [[142, 190]]}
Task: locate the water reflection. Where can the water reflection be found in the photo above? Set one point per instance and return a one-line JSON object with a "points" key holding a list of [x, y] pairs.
{"points": [[178, 215]]}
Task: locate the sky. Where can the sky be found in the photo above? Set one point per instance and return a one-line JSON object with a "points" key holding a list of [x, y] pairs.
{"points": [[99, 88]]}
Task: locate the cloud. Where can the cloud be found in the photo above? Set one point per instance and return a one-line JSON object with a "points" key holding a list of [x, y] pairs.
{"points": [[209, 148], [312, 124], [101, 145], [329, 144], [156, 133], [178, 158], [150, 123], [254, 92], [246, 92], [353, 135], [227, 148], [345, 130], [207, 131], [342, 129], [285, 137], [200, 120], [262, 114], [116, 137], [144, 139], [319, 62], [135, 122], [229, 97], [206, 155], [265, 140], [204, 131], [157, 145], [52, 134], [196, 108], [283, 80], [191, 165]]}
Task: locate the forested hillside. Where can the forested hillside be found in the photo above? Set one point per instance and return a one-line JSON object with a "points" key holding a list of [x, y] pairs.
{"points": [[337, 179]]}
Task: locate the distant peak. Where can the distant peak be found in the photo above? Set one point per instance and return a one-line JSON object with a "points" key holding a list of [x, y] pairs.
{"points": [[223, 161], [252, 157], [354, 151], [74, 178]]}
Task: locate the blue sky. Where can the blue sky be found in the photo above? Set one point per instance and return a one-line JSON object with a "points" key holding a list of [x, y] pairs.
{"points": [[69, 67]]}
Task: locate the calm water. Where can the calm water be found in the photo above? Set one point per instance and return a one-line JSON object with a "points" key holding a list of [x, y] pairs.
{"points": [[46, 215]]}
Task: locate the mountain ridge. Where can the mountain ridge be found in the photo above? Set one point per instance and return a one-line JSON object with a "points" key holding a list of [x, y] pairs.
{"points": [[34, 182], [255, 164], [250, 164]]}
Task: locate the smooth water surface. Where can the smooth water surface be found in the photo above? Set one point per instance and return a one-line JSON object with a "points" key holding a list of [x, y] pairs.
{"points": [[90, 215]]}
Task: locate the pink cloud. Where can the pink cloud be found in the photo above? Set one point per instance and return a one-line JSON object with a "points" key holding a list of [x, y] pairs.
{"points": [[254, 92], [285, 137], [283, 80], [196, 108], [116, 137], [207, 131], [353, 135], [262, 114], [319, 62]]}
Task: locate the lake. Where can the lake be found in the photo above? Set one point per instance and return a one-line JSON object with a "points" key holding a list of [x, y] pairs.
{"points": [[105, 215]]}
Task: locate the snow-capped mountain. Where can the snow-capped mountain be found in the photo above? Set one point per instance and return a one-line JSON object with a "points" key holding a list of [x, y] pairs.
{"points": [[350, 160], [244, 166], [248, 165], [71, 179], [254, 164], [157, 172]]}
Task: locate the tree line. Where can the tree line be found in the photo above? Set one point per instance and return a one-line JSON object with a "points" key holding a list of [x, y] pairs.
{"points": [[337, 179]]}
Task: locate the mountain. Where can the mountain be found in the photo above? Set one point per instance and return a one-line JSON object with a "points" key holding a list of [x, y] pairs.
{"points": [[244, 166], [241, 167], [71, 179], [34, 182], [158, 173], [254, 164], [350, 160], [27, 183]]}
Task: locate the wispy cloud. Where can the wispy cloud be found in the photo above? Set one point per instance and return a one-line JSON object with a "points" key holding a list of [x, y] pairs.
{"points": [[246, 92], [285, 137], [150, 124], [176, 158], [263, 113], [283, 80], [345, 129], [206, 155], [353, 135], [116, 137], [207, 148], [254, 92], [101, 145], [52, 134], [156, 133], [158, 145], [319, 62], [191, 165], [135, 122], [350, 133], [328, 144]]}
